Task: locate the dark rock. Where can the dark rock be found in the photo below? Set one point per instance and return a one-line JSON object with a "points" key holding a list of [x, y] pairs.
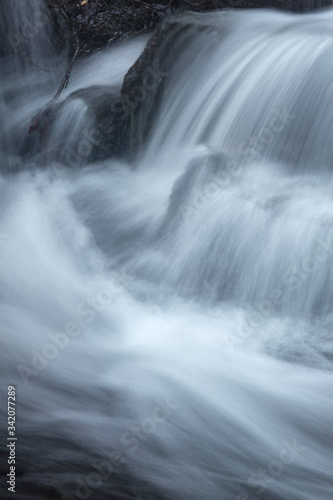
{"points": [[99, 22], [90, 124], [212, 173], [144, 82]]}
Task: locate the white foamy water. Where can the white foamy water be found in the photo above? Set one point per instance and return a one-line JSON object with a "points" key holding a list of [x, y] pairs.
{"points": [[168, 327]]}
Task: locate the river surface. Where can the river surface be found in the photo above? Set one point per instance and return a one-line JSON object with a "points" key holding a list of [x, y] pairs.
{"points": [[167, 322]]}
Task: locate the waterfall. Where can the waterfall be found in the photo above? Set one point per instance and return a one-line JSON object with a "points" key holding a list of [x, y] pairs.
{"points": [[263, 89], [26, 32], [167, 319]]}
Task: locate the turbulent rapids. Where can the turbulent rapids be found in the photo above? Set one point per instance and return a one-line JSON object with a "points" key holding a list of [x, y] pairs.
{"points": [[167, 319]]}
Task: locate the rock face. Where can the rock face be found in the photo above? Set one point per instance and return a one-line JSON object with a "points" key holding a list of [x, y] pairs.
{"points": [[99, 22]]}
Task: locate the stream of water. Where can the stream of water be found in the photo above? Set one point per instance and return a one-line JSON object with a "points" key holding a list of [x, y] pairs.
{"points": [[167, 322]]}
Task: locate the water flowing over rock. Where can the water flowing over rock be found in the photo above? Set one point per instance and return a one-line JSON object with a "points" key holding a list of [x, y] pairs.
{"points": [[167, 309], [26, 32], [143, 84], [89, 125]]}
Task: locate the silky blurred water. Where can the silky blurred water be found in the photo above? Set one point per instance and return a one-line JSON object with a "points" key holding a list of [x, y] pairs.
{"points": [[167, 322]]}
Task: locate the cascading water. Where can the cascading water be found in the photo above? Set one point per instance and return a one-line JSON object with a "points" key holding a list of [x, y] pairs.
{"points": [[168, 327], [26, 32]]}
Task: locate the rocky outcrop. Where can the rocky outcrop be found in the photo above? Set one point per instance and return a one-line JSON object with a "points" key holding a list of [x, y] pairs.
{"points": [[100, 22]]}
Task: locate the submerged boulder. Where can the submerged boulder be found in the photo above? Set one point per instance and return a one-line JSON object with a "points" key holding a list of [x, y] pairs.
{"points": [[90, 124]]}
